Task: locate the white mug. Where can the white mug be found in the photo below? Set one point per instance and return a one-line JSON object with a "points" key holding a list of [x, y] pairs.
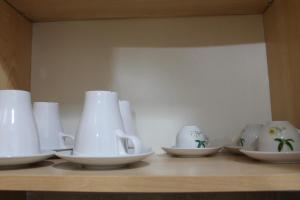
{"points": [[101, 131], [279, 136], [191, 137], [18, 133], [249, 136], [49, 127], [128, 119]]}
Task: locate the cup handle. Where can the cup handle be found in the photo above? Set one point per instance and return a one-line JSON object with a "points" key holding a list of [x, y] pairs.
{"points": [[65, 136], [137, 144]]}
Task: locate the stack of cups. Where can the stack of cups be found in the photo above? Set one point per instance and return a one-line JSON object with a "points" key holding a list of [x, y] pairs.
{"points": [[101, 131]]}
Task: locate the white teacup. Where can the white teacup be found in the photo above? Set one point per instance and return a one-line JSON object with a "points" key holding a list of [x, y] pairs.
{"points": [[18, 133], [249, 136], [191, 137], [49, 127], [101, 132], [279, 136], [128, 119]]}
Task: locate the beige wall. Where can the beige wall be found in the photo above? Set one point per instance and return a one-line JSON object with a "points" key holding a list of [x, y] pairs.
{"points": [[210, 71]]}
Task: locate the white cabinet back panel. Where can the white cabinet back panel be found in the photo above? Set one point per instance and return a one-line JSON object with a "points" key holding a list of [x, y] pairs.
{"points": [[210, 71]]}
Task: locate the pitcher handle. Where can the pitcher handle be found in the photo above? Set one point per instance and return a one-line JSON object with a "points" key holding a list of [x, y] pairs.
{"points": [[137, 144]]}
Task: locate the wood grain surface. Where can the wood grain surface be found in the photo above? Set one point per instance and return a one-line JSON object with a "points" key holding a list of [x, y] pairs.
{"points": [[15, 49], [164, 196], [57, 10], [282, 31], [159, 173]]}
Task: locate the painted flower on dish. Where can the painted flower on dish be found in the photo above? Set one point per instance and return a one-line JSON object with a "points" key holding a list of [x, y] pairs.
{"points": [[274, 131]]}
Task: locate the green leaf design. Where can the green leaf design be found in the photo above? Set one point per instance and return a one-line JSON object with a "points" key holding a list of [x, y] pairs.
{"points": [[280, 146], [282, 142], [290, 140], [242, 141], [200, 143], [289, 144], [278, 139]]}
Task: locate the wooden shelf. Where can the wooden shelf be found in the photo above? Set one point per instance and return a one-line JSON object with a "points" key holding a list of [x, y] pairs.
{"points": [[57, 10], [159, 173]]}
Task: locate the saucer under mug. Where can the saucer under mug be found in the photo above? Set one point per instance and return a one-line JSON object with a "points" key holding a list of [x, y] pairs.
{"points": [[274, 157], [16, 161], [105, 161], [193, 152]]}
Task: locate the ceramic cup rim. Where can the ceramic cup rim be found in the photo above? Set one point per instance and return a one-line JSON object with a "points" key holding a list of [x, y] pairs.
{"points": [[100, 92], [15, 91], [279, 121], [46, 102]]}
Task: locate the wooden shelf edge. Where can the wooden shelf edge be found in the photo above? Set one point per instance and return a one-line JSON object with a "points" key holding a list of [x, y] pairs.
{"points": [[57, 10], [158, 174], [151, 184]]}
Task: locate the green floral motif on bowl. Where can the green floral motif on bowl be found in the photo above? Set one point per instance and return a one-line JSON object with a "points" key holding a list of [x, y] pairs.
{"points": [[284, 142], [201, 143]]}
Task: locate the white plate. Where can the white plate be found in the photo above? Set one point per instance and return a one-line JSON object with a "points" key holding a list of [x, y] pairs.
{"points": [[233, 149], [191, 152], [26, 159], [275, 157], [107, 162]]}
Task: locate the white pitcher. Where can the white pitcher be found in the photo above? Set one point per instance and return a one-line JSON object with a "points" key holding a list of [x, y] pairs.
{"points": [[18, 133], [101, 131], [49, 127]]}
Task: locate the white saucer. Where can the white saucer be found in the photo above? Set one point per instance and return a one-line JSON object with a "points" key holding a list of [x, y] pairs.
{"points": [[233, 149], [106, 162], [275, 157], [191, 152], [25, 159]]}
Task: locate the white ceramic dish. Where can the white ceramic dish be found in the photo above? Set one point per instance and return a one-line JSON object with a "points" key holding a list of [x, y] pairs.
{"points": [[25, 159], [191, 152], [106, 162], [233, 149], [274, 157]]}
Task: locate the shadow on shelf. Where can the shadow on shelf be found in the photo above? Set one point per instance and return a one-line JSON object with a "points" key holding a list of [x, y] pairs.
{"points": [[27, 166]]}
